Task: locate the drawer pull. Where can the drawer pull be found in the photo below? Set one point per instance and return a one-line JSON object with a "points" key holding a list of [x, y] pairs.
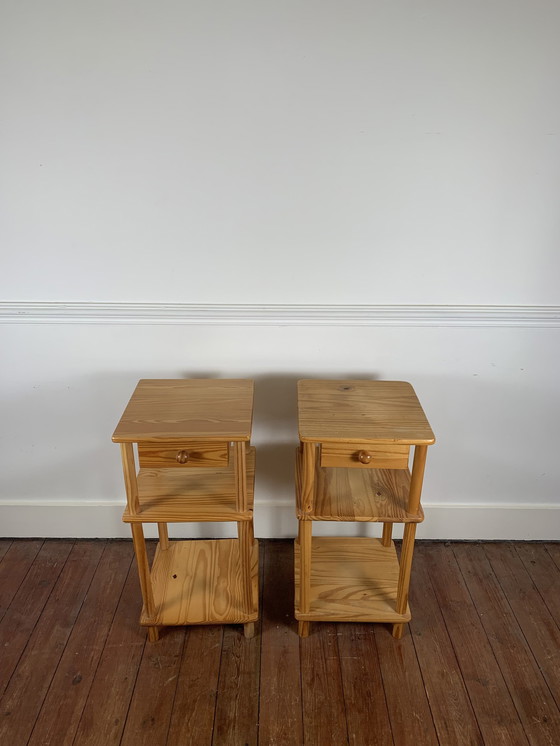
{"points": [[364, 457], [182, 457]]}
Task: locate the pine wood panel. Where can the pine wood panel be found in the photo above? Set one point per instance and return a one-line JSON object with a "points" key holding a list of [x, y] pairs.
{"points": [[363, 495], [352, 579], [200, 582], [280, 719], [27, 604], [173, 409], [63, 706], [171, 455], [203, 494], [28, 687], [495, 711], [380, 457], [361, 412], [535, 705], [194, 706]]}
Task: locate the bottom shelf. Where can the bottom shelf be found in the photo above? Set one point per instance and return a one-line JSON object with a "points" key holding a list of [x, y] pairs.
{"points": [[352, 580], [199, 582]]}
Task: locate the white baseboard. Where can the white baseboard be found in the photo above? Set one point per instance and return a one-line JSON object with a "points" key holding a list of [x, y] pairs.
{"points": [[276, 519]]}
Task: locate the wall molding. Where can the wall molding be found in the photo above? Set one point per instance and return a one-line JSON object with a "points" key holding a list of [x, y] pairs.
{"points": [[275, 518], [33, 312]]}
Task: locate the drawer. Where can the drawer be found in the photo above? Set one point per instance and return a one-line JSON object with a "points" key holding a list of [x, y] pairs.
{"points": [[365, 456], [182, 454]]}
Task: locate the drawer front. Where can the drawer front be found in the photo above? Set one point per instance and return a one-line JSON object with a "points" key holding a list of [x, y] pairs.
{"points": [[182, 454], [365, 456]]}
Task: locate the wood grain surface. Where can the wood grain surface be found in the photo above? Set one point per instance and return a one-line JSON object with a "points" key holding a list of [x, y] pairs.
{"points": [[21, 703], [62, 708], [361, 412], [374, 456], [358, 495], [196, 453], [480, 653], [280, 720], [363, 495], [203, 494], [200, 582], [171, 409], [352, 579]]}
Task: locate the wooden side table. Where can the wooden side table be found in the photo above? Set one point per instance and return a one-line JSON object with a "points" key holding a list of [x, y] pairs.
{"points": [[352, 465], [196, 464]]}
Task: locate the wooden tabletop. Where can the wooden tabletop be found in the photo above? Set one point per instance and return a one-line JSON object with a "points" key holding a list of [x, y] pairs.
{"points": [[170, 409], [361, 411]]}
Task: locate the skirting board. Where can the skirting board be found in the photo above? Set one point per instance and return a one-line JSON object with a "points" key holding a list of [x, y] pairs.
{"points": [[276, 519]]}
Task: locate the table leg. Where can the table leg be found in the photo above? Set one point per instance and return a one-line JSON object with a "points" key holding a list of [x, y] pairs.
{"points": [[407, 550], [387, 534], [305, 541], [144, 575], [163, 536]]}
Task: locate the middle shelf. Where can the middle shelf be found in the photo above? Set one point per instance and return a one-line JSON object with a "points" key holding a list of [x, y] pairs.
{"points": [[199, 494], [347, 494]]}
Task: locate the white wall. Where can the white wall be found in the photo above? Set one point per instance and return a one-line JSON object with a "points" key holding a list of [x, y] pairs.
{"points": [[361, 153]]}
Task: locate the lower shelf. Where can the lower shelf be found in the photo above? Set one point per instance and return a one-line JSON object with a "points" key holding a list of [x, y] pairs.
{"points": [[199, 582], [352, 580]]}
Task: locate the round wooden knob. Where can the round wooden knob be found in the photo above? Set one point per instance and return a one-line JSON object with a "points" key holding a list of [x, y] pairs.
{"points": [[364, 457], [182, 457]]}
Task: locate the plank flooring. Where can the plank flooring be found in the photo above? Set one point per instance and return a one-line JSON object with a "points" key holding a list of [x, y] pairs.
{"points": [[479, 663]]}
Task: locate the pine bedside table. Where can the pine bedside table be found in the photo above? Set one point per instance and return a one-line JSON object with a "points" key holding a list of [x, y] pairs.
{"points": [[352, 465], [192, 443]]}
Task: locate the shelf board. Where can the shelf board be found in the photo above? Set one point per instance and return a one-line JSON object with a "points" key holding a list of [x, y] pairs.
{"points": [[198, 494], [352, 580], [199, 582], [348, 494]]}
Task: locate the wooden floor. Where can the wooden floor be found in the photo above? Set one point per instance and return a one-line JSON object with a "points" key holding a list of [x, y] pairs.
{"points": [[479, 664]]}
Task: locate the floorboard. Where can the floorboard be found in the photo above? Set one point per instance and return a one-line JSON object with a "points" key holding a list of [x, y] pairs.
{"points": [[28, 687], [453, 716], [237, 703], [535, 705], [27, 604], [367, 716], [478, 665], [280, 717], [65, 701], [104, 715], [324, 711], [16, 561]]}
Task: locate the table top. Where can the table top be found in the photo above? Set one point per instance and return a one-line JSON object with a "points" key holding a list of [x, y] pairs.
{"points": [[198, 408], [361, 411]]}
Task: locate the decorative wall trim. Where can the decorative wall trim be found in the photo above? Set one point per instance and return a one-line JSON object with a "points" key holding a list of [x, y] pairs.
{"points": [[275, 518], [278, 314]]}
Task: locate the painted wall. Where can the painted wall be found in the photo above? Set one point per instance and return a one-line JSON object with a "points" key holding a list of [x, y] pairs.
{"points": [[281, 153]]}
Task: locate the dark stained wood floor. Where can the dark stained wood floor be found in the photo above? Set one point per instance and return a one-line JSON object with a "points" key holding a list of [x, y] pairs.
{"points": [[479, 664]]}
